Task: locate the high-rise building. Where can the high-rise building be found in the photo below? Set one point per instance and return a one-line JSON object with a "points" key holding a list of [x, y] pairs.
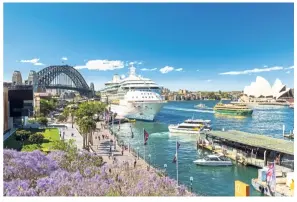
{"points": [[32, 77], [17, 78], [92, 88]]}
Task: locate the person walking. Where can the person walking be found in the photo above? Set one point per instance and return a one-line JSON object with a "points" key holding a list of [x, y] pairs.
{"points": [[122, 152], [135, 163]]}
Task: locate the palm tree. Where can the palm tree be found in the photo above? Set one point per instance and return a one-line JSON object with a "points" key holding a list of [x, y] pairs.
{"points": [[84, 118], [86, 127]]}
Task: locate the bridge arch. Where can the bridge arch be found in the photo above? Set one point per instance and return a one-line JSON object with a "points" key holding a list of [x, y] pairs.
{"points": [[47, 75]]}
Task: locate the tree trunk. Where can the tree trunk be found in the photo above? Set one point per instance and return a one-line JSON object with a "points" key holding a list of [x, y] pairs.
{"points": [[83, 142]]}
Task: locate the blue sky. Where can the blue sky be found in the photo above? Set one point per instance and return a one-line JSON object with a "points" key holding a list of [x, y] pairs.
{"points": [[189, 46]]}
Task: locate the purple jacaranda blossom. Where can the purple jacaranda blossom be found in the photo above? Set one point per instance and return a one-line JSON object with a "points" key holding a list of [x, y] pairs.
{"points": [[63, 174]]}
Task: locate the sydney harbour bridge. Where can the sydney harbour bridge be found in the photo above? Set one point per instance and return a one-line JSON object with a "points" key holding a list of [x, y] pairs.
{"points": [[59, 77]]}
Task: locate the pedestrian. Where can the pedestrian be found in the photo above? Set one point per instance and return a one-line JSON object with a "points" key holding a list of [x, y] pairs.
{"points": [[99, 138], [135, 163], [122, 152], [110, 149], [109, 170]]}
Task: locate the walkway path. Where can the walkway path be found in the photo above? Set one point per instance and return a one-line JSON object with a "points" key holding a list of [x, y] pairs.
{"points": [[76, 135], [102, 148]]}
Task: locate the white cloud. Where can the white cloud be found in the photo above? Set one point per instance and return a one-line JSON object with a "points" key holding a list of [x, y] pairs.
{"points": [[166, 69], [256, 70], [145, 69], [135, 63], [64, 58], [209, 80], [197, 70], [292, 67], [179, 69], [102, 65], [288, 72], [38, 64], [32, 61], [35, 60]]}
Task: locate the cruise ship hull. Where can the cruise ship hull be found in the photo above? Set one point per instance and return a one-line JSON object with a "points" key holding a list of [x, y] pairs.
{"points": [[141, 111]]}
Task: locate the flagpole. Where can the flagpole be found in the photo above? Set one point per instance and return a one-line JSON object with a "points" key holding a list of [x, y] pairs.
{"points": [[176, 163], [144, 143]]}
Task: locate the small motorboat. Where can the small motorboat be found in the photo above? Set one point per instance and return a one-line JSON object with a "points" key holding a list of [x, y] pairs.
{"points": [[214, 160], [201, 106]]}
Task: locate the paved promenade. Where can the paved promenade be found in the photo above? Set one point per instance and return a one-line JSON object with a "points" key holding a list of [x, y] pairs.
{"points": [[76, 135], [102, 147]]}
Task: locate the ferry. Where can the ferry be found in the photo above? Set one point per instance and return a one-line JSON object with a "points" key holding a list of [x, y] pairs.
{"points": [[214, 160], [191, 126], [233, 109], [291, 105], [133, 97]]}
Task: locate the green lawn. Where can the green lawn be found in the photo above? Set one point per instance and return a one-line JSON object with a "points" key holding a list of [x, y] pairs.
{"points": [[50, 135]]}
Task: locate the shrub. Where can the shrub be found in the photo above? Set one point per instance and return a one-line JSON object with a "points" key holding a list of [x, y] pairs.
{"points": [[36, 138], [32, 121], [22, 135], [42, 121], [31, 147]]}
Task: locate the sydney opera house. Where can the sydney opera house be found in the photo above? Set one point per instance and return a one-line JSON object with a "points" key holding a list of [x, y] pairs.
{"points": [[262, 91]]}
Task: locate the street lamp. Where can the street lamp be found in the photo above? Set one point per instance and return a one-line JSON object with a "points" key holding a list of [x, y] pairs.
{"points": [[137, 153], [191, 180], [165, 167], [149, 160]]}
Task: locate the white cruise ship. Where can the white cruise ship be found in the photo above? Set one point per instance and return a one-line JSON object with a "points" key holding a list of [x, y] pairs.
{"points": [[133, 97]]}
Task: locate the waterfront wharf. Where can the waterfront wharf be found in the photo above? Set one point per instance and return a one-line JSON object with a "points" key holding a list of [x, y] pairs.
{"points": [[250, 149]]}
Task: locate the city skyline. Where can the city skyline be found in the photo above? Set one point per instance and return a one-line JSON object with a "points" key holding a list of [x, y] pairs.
{"points": [[206, 47]]}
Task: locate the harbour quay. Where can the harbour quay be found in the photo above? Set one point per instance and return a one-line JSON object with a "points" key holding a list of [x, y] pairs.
{"points": [[249, 149], [259, 151]]}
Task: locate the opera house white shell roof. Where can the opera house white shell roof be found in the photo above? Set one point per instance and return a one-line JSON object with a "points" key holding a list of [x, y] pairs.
{"points": [[262, 88]]}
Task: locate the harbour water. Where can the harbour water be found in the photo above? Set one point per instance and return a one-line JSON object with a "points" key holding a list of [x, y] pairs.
{"points": [[208, 181]]}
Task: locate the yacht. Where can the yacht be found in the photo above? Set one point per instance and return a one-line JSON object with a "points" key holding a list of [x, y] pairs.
{"points": [[133, 97], [191, 126], [214, 160]]}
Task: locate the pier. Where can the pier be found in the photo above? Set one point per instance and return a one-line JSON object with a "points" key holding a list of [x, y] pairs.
{"points": [[250, 149]]}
